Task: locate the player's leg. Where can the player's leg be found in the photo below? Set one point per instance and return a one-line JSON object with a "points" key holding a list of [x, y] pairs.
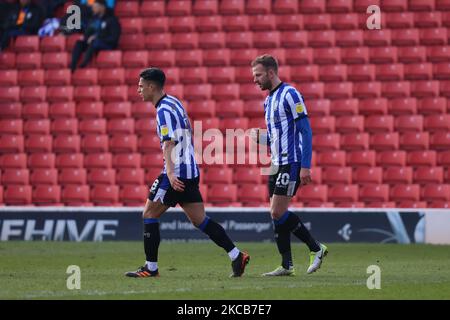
{"points": [[195, 211], [153, 209]]}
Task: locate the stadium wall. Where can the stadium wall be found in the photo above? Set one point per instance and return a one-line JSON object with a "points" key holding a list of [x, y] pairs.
{"points": [[243, 224]]}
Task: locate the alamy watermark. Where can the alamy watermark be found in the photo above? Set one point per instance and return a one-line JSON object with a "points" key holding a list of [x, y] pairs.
{"points": [[74, 280], [374, 280]]}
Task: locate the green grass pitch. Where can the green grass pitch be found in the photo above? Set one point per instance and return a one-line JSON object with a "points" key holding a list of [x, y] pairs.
{"points": [[199, 270]]}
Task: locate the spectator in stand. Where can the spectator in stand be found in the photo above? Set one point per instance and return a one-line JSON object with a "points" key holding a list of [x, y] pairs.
{"points": [[102, 33], [24, 18]]}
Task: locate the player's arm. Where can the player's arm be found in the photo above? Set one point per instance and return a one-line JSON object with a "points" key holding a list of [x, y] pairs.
{"points": [[303, 125], [298, 110], [165, 121], [169, 153]]}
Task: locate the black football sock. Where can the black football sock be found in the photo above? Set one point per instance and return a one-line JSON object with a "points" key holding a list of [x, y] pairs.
{"points": [[300, 231], [217, 234], [152, 239], [283, 240]]}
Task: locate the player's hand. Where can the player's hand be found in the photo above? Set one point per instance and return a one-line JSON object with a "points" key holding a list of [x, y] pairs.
{"points": [[176, 183], [91, 38], [254, 134], [305, 176]]}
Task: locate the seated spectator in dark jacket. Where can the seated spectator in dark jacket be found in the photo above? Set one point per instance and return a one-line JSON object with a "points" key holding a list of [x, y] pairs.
{"points": [[102, 33], [24, 18]]}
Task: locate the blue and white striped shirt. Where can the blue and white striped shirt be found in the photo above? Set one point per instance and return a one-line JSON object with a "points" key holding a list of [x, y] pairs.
{"points": [[288, 129], [173, 124]]}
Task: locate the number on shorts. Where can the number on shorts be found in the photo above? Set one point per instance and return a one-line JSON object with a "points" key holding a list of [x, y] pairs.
{"points": [[283, 179]]}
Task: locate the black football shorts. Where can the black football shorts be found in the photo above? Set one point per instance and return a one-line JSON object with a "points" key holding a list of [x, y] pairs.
{"points": [[163, 191], [286, 181]]}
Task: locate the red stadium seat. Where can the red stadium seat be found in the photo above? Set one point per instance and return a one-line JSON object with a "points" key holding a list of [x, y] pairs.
{"points": [[188, 58], [28, 60], [412, 54], [347, 124], [134, 59], [72, 177], [433, 36], [409, 123], [218, 57], [11, 143], [57, 77], [152, 160], [397, 89], [62, 110], [109, 59], [75, 195], [283, 7], [441, 71], [65, 126], [366, 175], [340, 90], [384, 54], [366, 90], [198, 92], [37, 126], [114, 93], [437, 122], [389, 158], [236, 23], [323, 124], [201, 109], [377, 38], [384, 141], [361, 158], [376, 106], [323, 39], [336, 175], [224, 75], [66, 144], [422, 158], [212, 40], [149, 144], [41, 160], [53, 44], [120, 143], [432, 192], [348, 193], [178, 8], [8, 77], [99, 176], [389, 72], [85, 77], [232, 7], [105, 195], [230, 109], [374, 193], [44, 176], [60, 94], [398, 175], [208, 23], [420, 71], [308, 73], [331, 158], [131, 25], [121, 126], [259, 7], [94, 143], [117, 109], [405, 37], [406, 192], [131, 161], [222, 193], [344, 21], [55, 60], [350, 38], [38, 143], [193, 75], [268, 39], [325, 142], [225, 92], [98, 160], [438, 53], [293, 39], [127, 176], [11, 126], [440, 140], [87, 93], [17, 195], [239, 40], [74, 160], [357, 55], [317, 22], [378, 123], [262, 22], [45, 195], [251, 193], [8, 161], [16, 176], [355, 141], [425, 175], [7, 60], [333, 73], [316, 108], [219, 175], [145, 127], [111, 77], [133, 195], [89, 110]]}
